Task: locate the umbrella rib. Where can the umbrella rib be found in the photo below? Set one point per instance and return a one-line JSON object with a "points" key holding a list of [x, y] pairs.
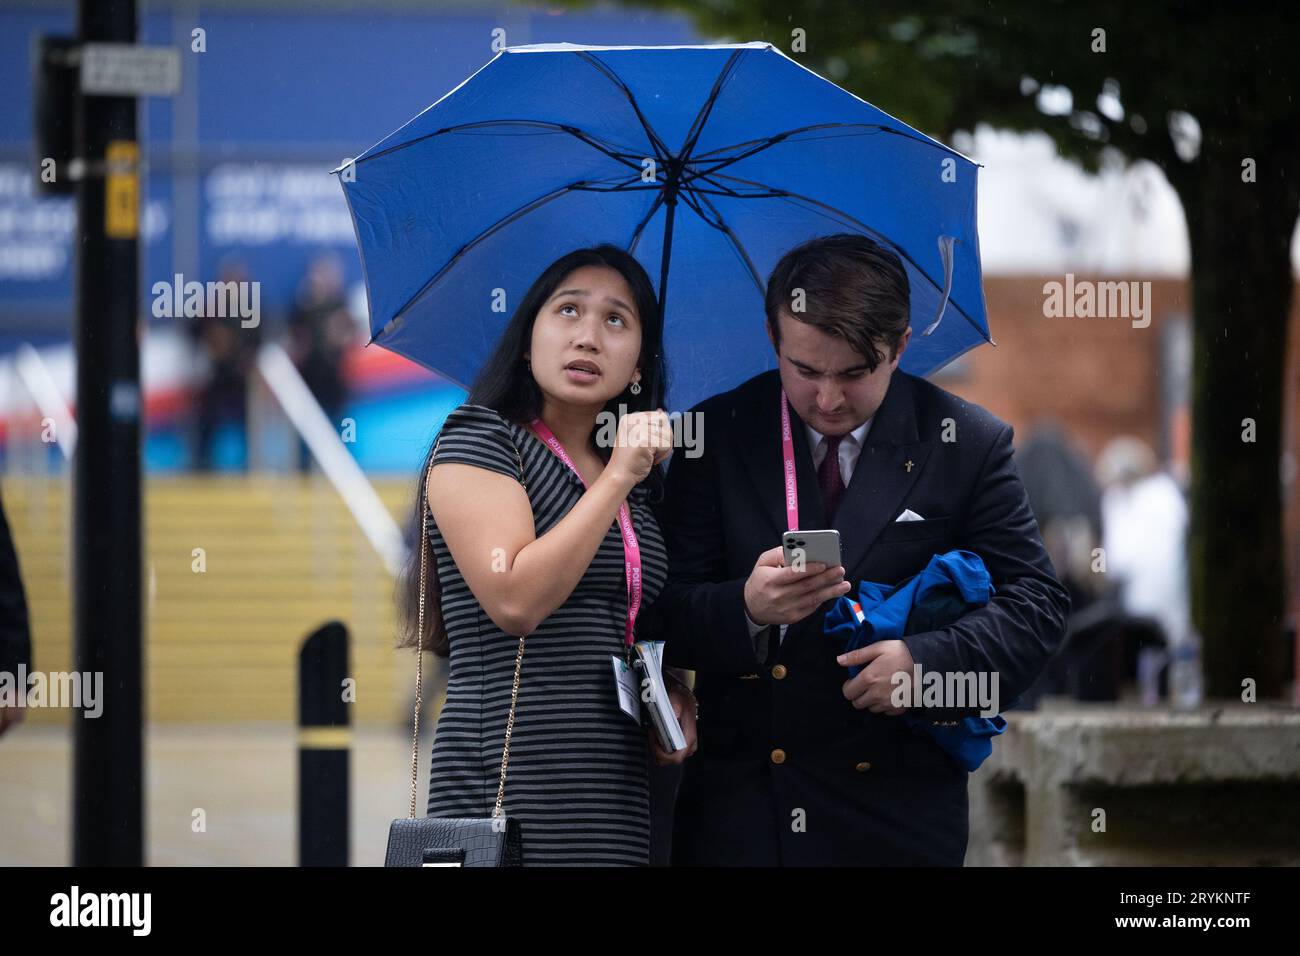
{"points": [[785, 134], [609, 149], [640, 227], [661, 149], [689, 197], [722, 190], [495, 227], [787, 195], [702, 117], [628, 187], [672, 184], [866, 129]]}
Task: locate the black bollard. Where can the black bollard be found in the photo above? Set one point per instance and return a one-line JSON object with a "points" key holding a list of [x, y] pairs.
{"points": [[324, 738]]}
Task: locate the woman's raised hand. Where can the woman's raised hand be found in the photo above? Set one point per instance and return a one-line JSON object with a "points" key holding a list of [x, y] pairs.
{"points": [[644, 439]]}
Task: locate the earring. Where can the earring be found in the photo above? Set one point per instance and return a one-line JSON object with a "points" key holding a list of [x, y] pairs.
{"points": [[635, 388]]}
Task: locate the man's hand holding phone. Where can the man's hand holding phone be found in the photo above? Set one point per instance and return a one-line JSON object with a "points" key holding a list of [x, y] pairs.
{"points": [[777, 594]]}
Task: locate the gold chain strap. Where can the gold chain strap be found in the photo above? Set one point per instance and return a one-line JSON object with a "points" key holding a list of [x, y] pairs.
{"points": [[419, 656], [510, 726]]}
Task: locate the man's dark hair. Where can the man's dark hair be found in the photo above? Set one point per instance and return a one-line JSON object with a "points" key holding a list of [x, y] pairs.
{"points": [[852, 287]]}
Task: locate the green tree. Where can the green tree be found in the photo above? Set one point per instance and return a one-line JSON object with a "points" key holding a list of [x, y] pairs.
{"points": [[1205, 90]]}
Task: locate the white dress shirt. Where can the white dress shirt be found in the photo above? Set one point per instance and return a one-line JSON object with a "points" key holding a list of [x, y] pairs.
{"points": [[849, 451]]}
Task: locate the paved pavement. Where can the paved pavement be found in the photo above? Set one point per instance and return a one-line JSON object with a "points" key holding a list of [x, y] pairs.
{"points": [[243, 776]]}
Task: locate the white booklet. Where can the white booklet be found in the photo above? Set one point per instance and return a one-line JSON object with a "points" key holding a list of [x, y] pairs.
{"points": [[654, 695]]}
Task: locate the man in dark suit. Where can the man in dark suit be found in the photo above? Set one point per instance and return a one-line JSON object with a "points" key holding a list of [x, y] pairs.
{"points": [[796, 763]]}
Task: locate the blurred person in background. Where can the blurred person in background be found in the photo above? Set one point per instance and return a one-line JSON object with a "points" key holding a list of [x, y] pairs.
{"points": [[15, 635], [1144, 517], [321, 328], [1123, 553], [1066, 502], [227, 350]]}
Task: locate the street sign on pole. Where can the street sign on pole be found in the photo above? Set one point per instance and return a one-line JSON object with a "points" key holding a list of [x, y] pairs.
{"points": [[128, 69]]}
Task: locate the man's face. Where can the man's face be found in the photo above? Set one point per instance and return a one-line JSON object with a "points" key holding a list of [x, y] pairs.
{"points": [[827, 380]]}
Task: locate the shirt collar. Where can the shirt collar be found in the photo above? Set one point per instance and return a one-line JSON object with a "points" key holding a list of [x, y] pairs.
{"points": [[858, 435]]}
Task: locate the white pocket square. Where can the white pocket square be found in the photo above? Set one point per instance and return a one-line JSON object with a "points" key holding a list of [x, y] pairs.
{"points": [[908, 515]]}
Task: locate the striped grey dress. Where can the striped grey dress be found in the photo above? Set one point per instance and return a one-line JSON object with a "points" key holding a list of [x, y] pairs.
{"points": [[577, 777]]}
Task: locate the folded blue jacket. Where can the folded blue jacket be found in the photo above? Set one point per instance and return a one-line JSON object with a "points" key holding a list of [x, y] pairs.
{"points": [[951, 585]]}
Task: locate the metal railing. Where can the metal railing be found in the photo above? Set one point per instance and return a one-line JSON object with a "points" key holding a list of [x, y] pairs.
{"points": [[308, 419], [28, 370]]}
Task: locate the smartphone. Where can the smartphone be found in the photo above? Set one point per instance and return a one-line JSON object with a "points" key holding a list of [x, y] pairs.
{"points": [[805, 547]]}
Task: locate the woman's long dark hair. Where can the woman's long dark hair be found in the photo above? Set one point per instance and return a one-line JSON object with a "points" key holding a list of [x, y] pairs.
{"points": [[506, 384]]}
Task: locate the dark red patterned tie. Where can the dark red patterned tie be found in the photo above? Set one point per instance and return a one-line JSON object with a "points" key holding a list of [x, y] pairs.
{"points": [[829, 477]]}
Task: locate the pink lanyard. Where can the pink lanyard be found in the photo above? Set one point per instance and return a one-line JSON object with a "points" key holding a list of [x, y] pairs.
{"points": [[787, 450], [631, 549]]}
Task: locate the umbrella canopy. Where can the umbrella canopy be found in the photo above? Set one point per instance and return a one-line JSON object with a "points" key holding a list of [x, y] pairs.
{"points": [[707, 163]]}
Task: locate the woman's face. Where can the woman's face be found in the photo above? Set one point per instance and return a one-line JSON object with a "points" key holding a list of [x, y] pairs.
{"points": [[587, 338]]}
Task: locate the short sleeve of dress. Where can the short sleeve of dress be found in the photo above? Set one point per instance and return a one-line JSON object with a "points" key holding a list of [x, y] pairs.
{"points": [[475, 435]]}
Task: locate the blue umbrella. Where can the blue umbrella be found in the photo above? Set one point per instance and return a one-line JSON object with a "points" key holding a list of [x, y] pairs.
{"points": [[711, 160]]}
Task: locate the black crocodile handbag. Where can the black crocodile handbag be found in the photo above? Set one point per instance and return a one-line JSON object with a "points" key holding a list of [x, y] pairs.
{"points": [[454, 841]]}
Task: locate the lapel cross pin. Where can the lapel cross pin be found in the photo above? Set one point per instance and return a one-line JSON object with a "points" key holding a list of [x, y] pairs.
{"points": [[908, 465]]}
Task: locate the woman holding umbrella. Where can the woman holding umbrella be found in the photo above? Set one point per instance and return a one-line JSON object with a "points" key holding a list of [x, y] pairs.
{"points": [[539, 530]]}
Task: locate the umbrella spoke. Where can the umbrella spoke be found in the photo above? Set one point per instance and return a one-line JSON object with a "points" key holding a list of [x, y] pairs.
{"points": [[850, 220], [631, 186], [721, 189], [695, 201], [624, 155], [702, 117], [674, 166], [645, 221], [758, 145], [483, 235], [661, 150]]}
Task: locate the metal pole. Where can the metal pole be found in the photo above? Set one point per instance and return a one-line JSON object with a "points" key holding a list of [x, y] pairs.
{"points": [[108, 766]]}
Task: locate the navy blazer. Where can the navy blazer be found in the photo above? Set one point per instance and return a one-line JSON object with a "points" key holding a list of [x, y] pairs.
{"points": [[788, 771]]}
